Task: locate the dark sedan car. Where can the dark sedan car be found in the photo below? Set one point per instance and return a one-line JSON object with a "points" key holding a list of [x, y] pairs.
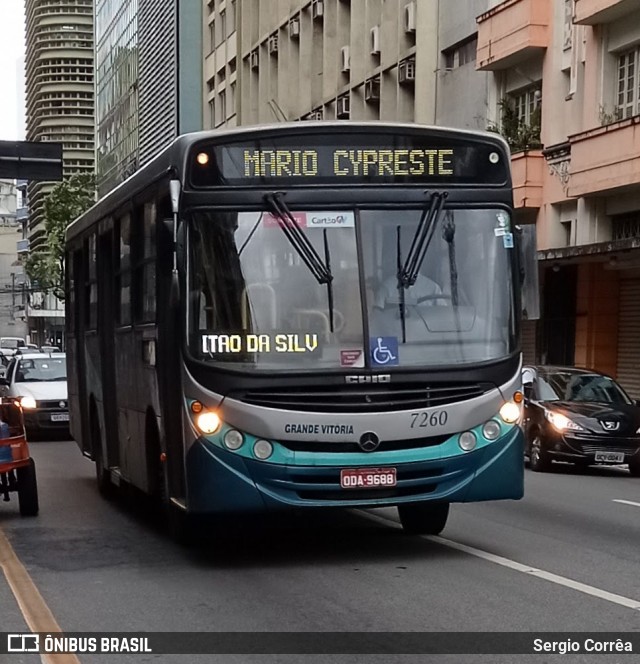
{"points": [[579, 416]]}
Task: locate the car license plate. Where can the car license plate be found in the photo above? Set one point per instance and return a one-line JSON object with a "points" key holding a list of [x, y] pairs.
{"points": [[610, 457], [59, 417], [367, 478]]}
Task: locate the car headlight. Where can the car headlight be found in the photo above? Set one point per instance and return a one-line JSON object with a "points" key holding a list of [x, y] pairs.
{"points": [[561, 422], [28, 402]]}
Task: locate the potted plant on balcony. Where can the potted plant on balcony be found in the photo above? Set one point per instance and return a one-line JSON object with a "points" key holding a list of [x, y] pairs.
{"points": [[520, 135]]}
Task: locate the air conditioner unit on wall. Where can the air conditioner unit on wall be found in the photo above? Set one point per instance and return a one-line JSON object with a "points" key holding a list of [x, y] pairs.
{"points": [[273, 44], [407, 71], [317, 9], [375, 40], [372, 89], [343, 107], [410, 17], [254, 59], [294, 28], [318, 114], [345, 60]]}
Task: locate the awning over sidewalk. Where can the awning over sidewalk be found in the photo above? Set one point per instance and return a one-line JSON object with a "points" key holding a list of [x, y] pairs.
{"points": [[587, 250]]}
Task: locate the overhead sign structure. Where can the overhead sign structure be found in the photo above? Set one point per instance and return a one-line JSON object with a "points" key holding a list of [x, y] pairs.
{"points": [[28, 160]]}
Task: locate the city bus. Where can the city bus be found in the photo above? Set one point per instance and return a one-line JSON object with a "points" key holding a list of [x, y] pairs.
{"points": [[303, 316]]}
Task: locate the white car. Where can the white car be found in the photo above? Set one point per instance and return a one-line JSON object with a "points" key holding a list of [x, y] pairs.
{"points": [[39, 382]]}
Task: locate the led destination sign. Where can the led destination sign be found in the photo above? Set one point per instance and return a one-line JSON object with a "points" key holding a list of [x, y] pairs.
{"points": [[349, 159]]}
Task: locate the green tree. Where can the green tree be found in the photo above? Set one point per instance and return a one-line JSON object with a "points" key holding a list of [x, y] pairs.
{"points": [[65, 203]]}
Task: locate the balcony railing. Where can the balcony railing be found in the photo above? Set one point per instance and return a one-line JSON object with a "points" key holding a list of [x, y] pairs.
{"points": [[593, 12], [605, 158], [527, 172], [511, 32]]}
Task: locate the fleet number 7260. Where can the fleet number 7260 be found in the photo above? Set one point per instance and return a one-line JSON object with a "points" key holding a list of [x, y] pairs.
{"points": [[426, 419]]}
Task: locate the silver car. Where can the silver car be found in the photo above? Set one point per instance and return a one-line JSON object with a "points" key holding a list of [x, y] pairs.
{"points": [[39, 382]]}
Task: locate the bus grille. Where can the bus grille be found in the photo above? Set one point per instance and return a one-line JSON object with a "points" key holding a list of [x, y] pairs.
{"points": [[385, 445], [359, 398]]}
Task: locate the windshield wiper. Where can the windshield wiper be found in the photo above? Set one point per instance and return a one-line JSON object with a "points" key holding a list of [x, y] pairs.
{"points": [[449, 236], [421, 240], [409, 270], [321, 270]]}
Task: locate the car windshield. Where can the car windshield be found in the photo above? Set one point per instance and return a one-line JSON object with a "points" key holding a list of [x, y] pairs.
{"points": [[255, 303], [41, 370], [10, 342], [572, 386]]}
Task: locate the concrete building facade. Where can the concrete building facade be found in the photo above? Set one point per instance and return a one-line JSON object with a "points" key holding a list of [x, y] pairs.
{"points": [[319, 59], [59, 84], [573, 68]]}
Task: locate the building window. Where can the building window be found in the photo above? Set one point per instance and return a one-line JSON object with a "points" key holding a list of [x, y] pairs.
{"points": [[628, 80], [625, 226], [526, 104], [123, 271], [212, 113], [567, 36], [212, 36], [223, 23], [221, 108], [461, 54]]}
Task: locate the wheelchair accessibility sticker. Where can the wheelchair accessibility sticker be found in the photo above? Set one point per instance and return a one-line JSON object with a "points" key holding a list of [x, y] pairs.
{"points": [[384, 351]]}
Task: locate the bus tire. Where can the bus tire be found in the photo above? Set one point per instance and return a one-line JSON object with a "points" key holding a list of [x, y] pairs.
{"points": [[28, 490], [423, 518], [105, 487]]}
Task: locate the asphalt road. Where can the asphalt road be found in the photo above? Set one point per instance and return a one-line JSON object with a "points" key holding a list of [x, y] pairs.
{"points": [[504, 566]]}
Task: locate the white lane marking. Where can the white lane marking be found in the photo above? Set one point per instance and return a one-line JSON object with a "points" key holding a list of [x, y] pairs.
{"points": [[627, 602], [626, 502]]}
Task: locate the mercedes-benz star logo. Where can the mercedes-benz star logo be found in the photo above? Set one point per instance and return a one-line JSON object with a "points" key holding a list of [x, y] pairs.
{"points": [[369, 442]]}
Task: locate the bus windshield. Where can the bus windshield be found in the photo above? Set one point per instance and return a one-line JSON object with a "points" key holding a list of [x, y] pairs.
{"points": [[255, 304]]}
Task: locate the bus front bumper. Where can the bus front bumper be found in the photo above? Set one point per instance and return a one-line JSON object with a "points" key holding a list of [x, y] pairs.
{"points": [[220, 481]]}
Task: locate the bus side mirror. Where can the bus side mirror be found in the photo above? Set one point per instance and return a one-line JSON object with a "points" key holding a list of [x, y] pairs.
{"points": [[528, 266]]}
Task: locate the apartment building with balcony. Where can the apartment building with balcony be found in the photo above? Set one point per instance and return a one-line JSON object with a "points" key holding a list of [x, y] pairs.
{"points": [[59, 86], [566, 81]]}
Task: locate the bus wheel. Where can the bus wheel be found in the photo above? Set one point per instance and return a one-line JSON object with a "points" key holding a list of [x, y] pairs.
{"points": [[28, 490], [423, 518], [105, 486]]}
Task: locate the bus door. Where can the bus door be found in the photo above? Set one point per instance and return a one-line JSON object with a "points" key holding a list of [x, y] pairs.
{"points": [[106, 330], [79, 361]]}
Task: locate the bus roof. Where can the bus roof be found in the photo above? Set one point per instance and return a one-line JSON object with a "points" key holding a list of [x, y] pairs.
{"points": [[173, 157]]}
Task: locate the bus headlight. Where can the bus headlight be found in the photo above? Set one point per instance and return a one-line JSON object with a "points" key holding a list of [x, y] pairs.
{"points": [[263, 449], [28, 402], [208, 422], [233, 439], [510, 412], [491, 430], [467, 441]]}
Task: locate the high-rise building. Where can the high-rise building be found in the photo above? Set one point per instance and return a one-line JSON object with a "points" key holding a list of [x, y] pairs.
{"points": [[148, 81], [59, 82]]}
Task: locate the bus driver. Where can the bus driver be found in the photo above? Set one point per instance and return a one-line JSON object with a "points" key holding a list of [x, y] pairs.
{"points": [[422, 293]]}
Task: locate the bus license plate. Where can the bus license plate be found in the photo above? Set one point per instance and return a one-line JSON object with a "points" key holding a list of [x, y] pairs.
{"points": [[60, 417], [367, 478], [610, 457]]}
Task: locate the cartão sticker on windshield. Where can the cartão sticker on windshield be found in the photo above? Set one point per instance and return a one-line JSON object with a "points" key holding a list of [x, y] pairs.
{"points": [[314, 219], [507, 240]]}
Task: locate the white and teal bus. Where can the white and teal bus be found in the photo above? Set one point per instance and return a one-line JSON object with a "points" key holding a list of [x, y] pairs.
{"points": [[303, 315]]}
